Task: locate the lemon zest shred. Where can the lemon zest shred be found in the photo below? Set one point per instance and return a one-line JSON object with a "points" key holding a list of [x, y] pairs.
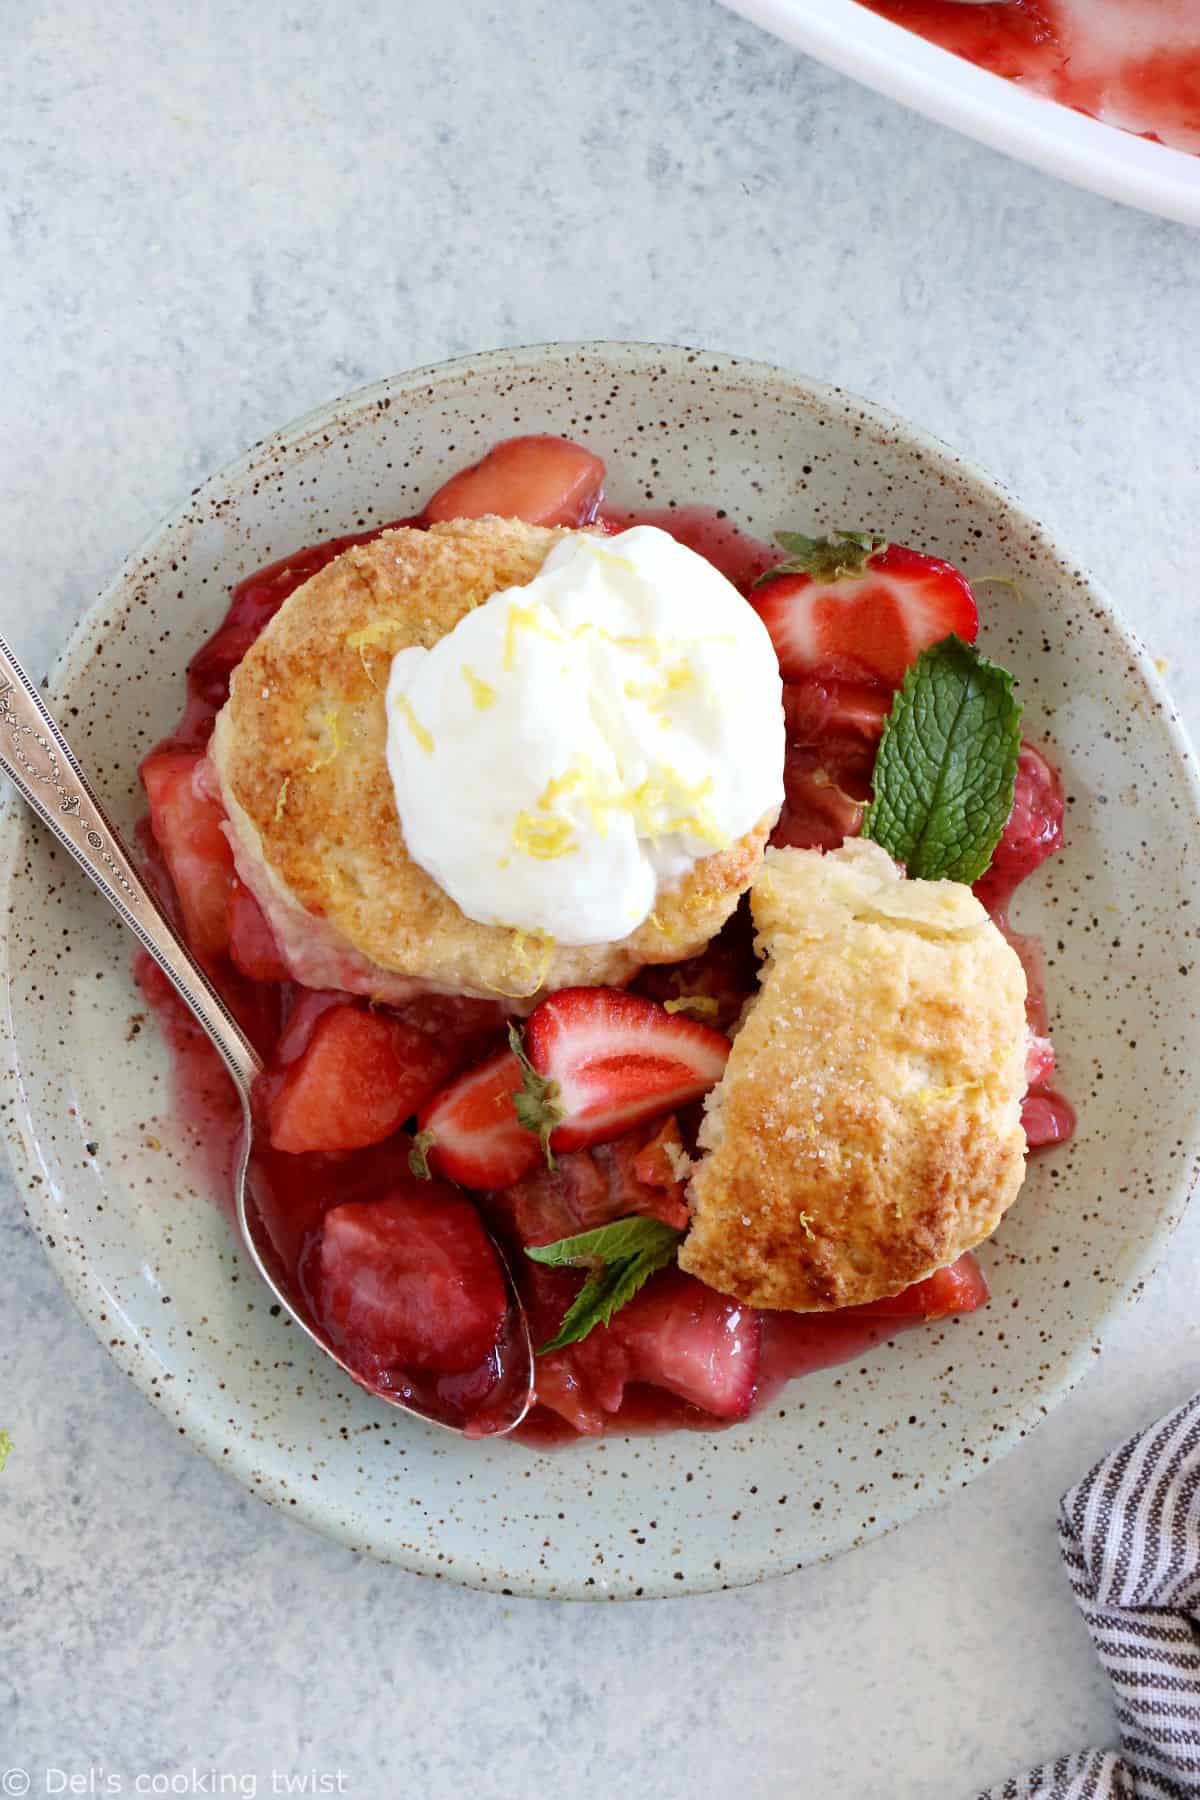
{"points": [[651, 647], [609, 556], [557, 786], [403, 706], [520, 940], [1008, 581], [333, 727], [678, 679], [523, 618], [927, 1095], [698, 1006], [369, 637], [372, 637], [281, 797], [482, 692], [545, 837]]}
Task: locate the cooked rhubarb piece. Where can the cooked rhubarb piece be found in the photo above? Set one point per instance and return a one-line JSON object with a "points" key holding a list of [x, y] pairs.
{"points": [[833, 733], [542, 480]]}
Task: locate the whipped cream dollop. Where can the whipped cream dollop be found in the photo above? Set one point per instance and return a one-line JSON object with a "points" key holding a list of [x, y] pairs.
{"points": [[575, 746]]}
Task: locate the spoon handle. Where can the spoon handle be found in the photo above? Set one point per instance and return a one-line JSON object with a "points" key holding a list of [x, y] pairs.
{"points": [[35, 755]]}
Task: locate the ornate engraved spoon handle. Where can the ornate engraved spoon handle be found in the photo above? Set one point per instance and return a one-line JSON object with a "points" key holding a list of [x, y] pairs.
{"points": [[37, 758]]}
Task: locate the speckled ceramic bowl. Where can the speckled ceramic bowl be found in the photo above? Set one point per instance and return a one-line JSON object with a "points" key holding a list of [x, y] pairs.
{"points": [[116, 1187]]}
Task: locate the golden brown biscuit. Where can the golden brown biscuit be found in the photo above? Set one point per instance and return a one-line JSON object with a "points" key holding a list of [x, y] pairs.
{"points": [[299, 755], [867, 1129]]}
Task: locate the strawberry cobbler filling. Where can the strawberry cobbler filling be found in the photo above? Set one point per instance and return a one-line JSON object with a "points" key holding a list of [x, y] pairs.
{"points": [[395, 1131]]}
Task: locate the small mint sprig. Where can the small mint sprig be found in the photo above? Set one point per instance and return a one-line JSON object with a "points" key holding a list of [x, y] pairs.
{"points": [[620, 1257], [947, 765]]}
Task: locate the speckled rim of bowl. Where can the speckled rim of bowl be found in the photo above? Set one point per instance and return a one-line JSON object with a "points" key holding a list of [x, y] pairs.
{"points": [[87, 1295]]}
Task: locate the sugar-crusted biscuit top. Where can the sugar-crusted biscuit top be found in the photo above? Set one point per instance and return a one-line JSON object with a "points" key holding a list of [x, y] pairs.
{"points": [[867, 1129], [299, 753]]}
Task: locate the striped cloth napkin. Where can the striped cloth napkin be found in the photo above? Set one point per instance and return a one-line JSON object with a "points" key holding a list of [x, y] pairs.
{"points": [[1130, 1538]]}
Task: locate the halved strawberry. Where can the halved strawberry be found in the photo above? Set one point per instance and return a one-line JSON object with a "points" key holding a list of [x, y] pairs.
{"points": [[252, 946], [359, 1077], [410, 1281], [960, 1288], [859, 608], [186, 820], [617, 1059], [470, 1132], [543, 480], [685, 1337]]}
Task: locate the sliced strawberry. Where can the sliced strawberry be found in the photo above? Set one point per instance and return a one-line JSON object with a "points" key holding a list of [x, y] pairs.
{"points": [[543, 480], [685, 1337], [1034, 830], [858, 608], [470, 1132], [411, 1280], [960, 1288], [186, 821], [252, 946], [359, 1077], [617, 1060]]}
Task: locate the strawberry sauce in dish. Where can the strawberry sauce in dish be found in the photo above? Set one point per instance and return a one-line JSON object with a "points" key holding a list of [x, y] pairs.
{"points": [[570, 1121], [1130, 63]]}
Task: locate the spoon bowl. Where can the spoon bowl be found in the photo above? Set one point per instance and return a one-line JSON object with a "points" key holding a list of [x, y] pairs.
{"points": [[37, 758]]}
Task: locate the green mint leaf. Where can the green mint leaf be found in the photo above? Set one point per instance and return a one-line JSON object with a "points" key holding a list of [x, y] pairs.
{"points": [[6, 1445], [605, 1293], [846, 553], [947, 765], [607, 1244], [537, 1103], [621, 1258]]}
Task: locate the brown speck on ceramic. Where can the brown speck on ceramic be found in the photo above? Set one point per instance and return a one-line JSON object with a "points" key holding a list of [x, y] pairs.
{"points": [[843, 1455]]}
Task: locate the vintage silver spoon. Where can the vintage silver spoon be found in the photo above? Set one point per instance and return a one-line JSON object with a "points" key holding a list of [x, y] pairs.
{"points": [[35, 755]]}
